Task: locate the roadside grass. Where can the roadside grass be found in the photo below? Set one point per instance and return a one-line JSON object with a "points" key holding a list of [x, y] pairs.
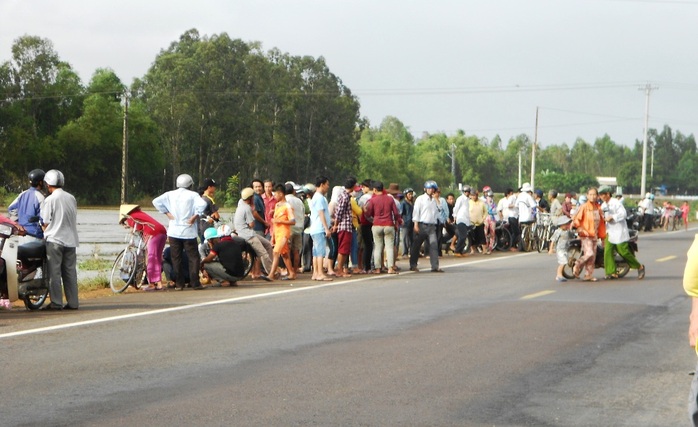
{"points": [[93, 283], [95, 264]]}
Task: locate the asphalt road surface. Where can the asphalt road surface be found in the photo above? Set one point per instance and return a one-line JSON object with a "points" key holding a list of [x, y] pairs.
{"points": [[493, 341]]}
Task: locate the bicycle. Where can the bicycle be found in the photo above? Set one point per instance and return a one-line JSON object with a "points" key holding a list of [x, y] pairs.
{"points": [[129, 268], [503, 235], [544, 230], [528, 237]]}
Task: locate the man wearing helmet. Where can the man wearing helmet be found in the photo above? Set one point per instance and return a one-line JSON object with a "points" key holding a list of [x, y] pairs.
{"points": [[59, 213], [27, 206], [183, 207], [647, 208], [425, 215], [461, 213]]}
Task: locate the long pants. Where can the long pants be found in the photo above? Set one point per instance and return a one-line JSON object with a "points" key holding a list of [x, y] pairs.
{"points": [[407, 238], [588, 258], [216, 271], [693, 400], [177, 246], [515, 232], [62, 268], [649, 222], [383, 236], [426, 231], [462, 235], [623, 250], [263, 249], [367, 236], [354, 254], [154, 265]]}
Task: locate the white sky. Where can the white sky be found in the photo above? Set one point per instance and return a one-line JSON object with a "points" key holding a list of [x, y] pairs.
{"points": [[439, 65]]}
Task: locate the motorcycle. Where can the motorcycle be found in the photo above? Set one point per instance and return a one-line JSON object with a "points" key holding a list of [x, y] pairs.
{"points": [[23, 266], [574, 252]]}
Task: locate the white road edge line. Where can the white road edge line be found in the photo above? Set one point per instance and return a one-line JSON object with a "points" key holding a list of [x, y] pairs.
{"points": [[224, 301]]}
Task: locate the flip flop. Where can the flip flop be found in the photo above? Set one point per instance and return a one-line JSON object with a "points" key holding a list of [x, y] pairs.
{"points": [[326, 279], [641, 272], [591, 279]]}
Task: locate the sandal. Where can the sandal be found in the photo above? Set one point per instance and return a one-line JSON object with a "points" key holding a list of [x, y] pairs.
{"points": [[590, 279], [641, 272], [611, 276], [391, 271]]}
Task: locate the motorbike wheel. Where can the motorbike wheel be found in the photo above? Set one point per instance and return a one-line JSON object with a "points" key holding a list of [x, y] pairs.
{"points": [[572, 257], [622, 268], [35, 299], [248, 258], [123, 272], [503, 239]]}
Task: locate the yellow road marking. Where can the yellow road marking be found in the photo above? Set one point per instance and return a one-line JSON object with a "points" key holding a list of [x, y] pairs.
{"points": [[666, 258], [537, 294]]}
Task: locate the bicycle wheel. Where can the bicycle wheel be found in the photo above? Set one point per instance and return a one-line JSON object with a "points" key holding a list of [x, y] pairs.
{"points": [[248, 258], [503, 239], [123, 272], [541, 238]]}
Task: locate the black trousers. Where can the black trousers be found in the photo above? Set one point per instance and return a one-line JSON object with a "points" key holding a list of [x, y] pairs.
{"points": [[367, 237], [177, 246]]}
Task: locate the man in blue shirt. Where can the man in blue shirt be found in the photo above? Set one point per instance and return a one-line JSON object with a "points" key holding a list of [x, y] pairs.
{"points": [[28, 204]]}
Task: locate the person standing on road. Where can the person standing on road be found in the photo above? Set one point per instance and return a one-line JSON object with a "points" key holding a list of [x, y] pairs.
{"points": [[617, 236], [425, 215], [590, 225], [59, 215], [183, 207], [320, 229], [28, 206], [461, 214], [385, 219]]}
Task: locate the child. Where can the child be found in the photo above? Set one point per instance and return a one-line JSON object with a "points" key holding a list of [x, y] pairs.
{"points": [[281, 232], [559, 243]]}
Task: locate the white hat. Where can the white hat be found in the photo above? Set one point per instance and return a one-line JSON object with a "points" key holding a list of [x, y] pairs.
{"points": [[526, 188]]}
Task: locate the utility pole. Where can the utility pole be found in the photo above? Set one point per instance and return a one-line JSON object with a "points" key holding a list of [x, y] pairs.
{"points": [[124, 151], [453, 165], [643, 181], [533, 154], [519, 167]]}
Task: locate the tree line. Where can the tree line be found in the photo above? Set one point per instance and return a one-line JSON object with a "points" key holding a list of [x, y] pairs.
{"points": [[218, 107]]}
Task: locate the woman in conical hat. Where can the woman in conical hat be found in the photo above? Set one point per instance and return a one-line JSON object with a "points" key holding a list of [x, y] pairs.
{"points": [[155, 235]]}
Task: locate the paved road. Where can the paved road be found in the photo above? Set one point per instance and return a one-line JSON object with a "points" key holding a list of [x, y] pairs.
{"points": [[492, 341]]}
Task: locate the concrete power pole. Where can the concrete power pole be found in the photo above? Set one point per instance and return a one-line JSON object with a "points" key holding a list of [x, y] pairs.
{"points": [[533, 154], [643, 181], [124, 151]]}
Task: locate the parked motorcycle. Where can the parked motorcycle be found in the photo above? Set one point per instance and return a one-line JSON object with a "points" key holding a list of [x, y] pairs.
{"points": [[24, 266], [574, 252]]}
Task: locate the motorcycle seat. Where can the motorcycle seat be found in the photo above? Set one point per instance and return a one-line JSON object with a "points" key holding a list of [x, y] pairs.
{"points": [[31, 250]]}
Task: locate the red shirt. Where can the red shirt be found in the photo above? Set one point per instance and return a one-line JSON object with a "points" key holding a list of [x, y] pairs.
{"points": [[269, 205], [383, 210], [143, 217]]}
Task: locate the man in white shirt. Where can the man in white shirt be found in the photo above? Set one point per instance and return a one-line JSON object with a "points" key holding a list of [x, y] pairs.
{"points": [[59, 217], [184, 208], [295, 243], [425, 216], [461, 214], [525, 205], [617, 236], [513, 218]]}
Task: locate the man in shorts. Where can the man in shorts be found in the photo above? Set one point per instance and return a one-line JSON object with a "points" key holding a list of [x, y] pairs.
{"points": [[320, 227]]}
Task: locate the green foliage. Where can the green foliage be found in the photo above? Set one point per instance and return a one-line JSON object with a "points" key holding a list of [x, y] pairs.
{"points": [[232, 191]]}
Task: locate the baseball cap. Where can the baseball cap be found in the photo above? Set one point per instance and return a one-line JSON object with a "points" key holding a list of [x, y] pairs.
{"points": [[209, 182]]}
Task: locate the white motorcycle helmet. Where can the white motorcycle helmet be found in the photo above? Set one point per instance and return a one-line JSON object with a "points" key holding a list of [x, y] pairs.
{"points": [[184, 181], [54, 178]]}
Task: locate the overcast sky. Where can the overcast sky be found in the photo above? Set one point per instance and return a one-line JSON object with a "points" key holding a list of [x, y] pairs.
{"points": [[438, 66]]}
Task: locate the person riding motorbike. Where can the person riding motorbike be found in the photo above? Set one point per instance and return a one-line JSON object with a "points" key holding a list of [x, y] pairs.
{"points": [[617, 235], [28, 204]]}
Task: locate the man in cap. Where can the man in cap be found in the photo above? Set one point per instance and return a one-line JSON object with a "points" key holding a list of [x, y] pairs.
{"points": [[224, 261], [244, 227], [59, 217], [406, 208], [426, 214], [461, 213], [183, 207], [211, 215], [617, 235], [525, 205]]}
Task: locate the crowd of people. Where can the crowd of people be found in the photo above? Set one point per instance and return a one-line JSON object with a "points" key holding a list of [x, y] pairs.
{"points": [[355, 228]]}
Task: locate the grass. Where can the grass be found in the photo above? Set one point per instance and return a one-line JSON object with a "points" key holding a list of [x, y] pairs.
{"points": [[95, 264], [94, 283]]}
